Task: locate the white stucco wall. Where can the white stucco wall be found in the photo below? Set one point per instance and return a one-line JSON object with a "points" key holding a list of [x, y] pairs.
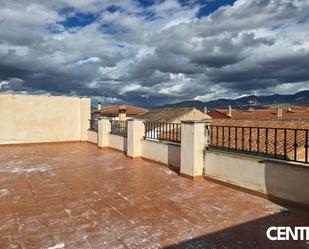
{"points": [[118, 142], [92, 137], [162, 152], [285, 180], [40, 118]]}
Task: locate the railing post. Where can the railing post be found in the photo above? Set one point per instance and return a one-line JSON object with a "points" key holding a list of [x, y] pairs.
{"points": [[136, 130], [104, 127], [194, 138]]}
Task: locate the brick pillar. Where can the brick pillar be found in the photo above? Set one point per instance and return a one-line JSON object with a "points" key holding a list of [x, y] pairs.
{"points": [[104, 127], [193, 141], [136, 129]]}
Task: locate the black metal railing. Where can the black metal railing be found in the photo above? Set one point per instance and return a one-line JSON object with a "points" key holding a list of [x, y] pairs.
{"points": [[170, 132], [93, 124], [279, 143], [119, 128]]}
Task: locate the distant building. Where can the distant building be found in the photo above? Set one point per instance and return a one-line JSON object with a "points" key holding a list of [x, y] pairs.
{"points": [[267, 113], [252, 102], [173, 115], [118, 112]]}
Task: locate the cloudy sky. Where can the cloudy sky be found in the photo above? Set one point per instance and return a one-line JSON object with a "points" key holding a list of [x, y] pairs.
{"points": [[152, 52]]}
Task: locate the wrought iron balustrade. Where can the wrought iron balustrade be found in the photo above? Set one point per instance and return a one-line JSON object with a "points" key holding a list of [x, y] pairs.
{"points": [[169, 132], [119, 128], [278, 143]]}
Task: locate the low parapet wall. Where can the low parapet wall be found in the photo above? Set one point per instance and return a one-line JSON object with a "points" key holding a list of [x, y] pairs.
{"points": [[162, 152], [93, 136], [118, 142], [284, 180]]}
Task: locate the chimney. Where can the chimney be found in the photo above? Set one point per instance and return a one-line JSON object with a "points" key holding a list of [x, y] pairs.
{"points": [[99, 106], [230, 111], [205, 110], [279, 112], [122, 113]]}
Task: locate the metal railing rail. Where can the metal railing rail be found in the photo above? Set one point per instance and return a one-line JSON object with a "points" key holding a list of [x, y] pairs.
{"points": [[119, 128], [169, 132], [279, 143]]}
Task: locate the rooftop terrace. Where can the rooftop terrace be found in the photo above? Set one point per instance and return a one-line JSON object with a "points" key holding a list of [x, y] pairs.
{"points": [[74, 195]]}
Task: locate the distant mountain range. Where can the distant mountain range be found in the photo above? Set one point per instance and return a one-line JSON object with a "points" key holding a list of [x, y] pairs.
{"points": [[300, 98]]}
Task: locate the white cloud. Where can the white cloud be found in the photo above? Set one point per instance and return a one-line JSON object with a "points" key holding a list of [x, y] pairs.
{"points": [[163, 51], [129, 88], [89, 60]]}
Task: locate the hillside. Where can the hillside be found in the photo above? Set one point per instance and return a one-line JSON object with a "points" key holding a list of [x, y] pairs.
{"points": [[300, 98]]}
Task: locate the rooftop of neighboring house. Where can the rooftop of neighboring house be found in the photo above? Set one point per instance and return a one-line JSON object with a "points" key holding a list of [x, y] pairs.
{"points": [[271, 123], [216, 114], [287, 112], [113, 110], [167, 115]]}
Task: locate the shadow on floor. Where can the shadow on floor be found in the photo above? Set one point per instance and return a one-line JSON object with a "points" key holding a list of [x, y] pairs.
{"points": [[250, 235]]}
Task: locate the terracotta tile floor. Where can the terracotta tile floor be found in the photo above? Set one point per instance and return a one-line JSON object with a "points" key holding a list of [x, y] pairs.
{"points": [[77, 196]]}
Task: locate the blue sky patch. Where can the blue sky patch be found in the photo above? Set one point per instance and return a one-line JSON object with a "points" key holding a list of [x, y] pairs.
{"points": [[148, 15], [79, 20], [114, 8], [207, 7], [211, 7], [147, 3]]}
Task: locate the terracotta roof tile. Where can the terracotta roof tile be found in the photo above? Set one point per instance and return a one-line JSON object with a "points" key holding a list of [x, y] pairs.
{"points": [[166, 114], [114, 109], [215, 114], [296, 112]]}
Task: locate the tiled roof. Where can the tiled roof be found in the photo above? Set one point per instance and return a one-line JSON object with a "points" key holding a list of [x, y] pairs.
{"points": [[257, 139], [165, 114], [296, 112], [215, 114], [114, 109], [270, 123]]}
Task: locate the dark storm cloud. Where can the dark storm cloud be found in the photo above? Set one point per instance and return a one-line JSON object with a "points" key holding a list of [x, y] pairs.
{"points": [[289, 68], [152, 54]]}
